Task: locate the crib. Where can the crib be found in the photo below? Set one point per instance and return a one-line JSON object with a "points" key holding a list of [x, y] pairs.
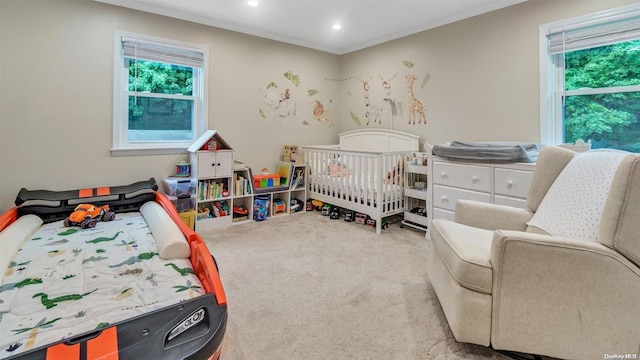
{"points": [[363, 173]]}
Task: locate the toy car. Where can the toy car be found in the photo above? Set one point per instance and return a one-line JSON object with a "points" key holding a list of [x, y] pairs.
{"points": [[317, 204], [383, 225], [88, 215], [334, 213], [309, 205], [361, 218], [348, 215], [326, 209]]}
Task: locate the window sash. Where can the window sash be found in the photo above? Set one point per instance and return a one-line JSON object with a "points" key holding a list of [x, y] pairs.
{"points": [[577, 33], [196, 57]]}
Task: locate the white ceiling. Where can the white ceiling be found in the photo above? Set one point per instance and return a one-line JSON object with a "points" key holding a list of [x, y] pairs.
{"points": [[309, 23]]}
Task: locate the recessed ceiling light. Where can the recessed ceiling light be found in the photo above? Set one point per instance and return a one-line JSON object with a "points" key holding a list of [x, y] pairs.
{"points": [[337, 26], [252, 2]]}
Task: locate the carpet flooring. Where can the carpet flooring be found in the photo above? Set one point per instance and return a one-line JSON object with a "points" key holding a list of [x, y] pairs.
{"points": [[307, 287]]}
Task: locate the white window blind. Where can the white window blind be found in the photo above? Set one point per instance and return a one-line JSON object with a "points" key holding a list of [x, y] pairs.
{"points": [[157, 52], [599, 32]]}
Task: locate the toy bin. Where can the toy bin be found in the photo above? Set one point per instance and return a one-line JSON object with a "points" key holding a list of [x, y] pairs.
{"points": [[183, 203], [179, 187], [188, 217]]}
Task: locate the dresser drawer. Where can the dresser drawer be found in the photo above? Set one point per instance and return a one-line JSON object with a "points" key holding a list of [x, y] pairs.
{"points": [[465, 176], [509, 201], [444, 214], [513, 183], [446, 197]]}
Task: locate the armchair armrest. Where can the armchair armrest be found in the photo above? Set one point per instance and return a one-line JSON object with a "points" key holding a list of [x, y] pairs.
{"points": [[568, 296], [491, 216]]}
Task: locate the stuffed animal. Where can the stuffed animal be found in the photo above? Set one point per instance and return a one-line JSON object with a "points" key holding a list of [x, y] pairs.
{"points": [[88, 215]]}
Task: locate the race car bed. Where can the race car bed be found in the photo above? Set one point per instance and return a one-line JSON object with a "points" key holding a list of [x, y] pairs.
{"points": [[141, 286]]}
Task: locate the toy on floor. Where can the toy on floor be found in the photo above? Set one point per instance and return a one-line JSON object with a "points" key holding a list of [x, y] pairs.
{"points": [[317, 204], [309, 204], [361, 218], [326, 209], [88, 215], [334, 213], [372, 223], [348, 215]]}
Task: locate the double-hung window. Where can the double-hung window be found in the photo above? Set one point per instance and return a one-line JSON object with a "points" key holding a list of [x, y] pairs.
{"points": [[159, 94], [590, 80]]}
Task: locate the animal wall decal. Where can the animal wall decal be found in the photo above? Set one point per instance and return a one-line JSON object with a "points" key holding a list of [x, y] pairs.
{"points": [[284, 106], [372, 111], [415, 106], [386, 83]]}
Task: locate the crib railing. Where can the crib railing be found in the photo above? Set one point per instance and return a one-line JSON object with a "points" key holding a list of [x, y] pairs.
{"points": [[357, 178]]}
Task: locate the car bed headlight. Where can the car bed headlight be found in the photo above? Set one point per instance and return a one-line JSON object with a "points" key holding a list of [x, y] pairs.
{"points": [[192, 320]]}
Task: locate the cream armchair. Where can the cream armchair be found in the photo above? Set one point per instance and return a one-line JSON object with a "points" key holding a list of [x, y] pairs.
{"points": [[505, 283]]}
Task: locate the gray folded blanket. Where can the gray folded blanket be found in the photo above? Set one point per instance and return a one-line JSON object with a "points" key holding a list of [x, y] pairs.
{"points": [[497, 152]]}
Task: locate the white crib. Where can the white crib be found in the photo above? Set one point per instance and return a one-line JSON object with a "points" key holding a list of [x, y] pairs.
{"points": [[363, 173]]}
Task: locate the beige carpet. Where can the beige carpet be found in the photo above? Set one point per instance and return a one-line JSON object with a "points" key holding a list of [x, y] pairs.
{"points": [[307, 287]]}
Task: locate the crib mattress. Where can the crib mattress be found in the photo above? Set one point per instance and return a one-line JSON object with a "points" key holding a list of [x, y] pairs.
{"points": [[65, 281]]}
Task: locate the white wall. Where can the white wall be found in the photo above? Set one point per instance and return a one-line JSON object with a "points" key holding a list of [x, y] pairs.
{"points": [[56, 94], [484, 73], [56, 87]]}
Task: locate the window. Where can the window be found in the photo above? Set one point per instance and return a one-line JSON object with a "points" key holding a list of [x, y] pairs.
{"points": [[590, 80], [159, 94]]}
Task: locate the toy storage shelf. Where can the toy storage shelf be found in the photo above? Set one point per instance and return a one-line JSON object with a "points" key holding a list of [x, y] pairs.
{"points": [[226, 195], [279, 199], [416, 184], [212, 164]]}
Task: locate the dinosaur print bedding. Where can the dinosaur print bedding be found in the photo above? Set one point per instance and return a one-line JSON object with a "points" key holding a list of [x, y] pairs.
{"points": [[66, 281]]}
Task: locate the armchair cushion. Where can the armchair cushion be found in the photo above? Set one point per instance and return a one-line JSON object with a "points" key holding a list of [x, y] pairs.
{"points": [[491, 216], [464, 250], [573, 205]]}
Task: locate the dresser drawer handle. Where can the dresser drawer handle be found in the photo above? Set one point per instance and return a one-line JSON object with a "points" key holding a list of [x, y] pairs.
{"points": [[474, 179], [444, 198], [444, 175], [510, 184]]}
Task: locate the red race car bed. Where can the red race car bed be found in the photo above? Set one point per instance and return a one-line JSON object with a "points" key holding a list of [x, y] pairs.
{"points": [[134, 282]]}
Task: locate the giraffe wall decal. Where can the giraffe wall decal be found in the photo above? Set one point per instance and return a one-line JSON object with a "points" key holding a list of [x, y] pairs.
{"points": [[415, 106]]}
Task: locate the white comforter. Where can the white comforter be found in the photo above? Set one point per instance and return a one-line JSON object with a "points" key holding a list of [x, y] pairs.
{"points": [[66, 281]]}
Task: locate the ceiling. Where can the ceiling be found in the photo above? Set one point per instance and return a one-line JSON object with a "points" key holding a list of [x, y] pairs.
{"points": [[309, 23]]}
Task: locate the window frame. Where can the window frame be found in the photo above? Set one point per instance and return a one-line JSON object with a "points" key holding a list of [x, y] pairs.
{"points": [[121, 145], [552, 74]]}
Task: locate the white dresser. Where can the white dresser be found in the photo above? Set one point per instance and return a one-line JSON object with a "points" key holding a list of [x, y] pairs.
{"points": [[505, 184]]}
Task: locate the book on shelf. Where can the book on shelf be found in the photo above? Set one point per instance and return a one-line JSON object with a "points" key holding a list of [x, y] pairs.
{"points": [[284, 170], [242, 185], [211, 189], [297, 180]]}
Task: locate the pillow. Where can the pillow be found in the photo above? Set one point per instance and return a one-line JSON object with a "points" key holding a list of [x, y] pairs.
{"points": [[170, 241], [14, 236], [573, 205]]}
